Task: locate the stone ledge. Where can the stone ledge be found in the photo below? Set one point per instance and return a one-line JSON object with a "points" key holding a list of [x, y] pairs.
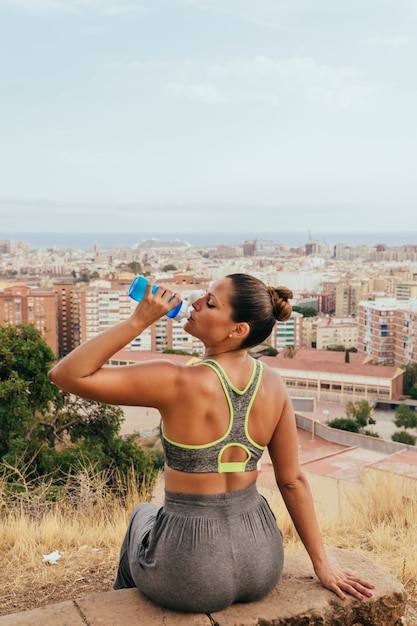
{"points": [[298, 600]]}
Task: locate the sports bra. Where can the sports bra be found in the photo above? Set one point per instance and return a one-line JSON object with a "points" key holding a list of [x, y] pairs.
{"points": [[207, 457]]}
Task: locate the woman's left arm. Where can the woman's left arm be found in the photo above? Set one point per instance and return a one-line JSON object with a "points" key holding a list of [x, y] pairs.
{"points": [[297, 496], [83, 371]]}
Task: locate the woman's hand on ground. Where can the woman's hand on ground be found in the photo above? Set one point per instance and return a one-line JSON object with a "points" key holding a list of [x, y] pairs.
{"points": [[343, 582]]}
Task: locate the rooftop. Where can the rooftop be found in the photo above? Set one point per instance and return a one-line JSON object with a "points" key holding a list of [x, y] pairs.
{"points": [[319, 456], [310, 359]]}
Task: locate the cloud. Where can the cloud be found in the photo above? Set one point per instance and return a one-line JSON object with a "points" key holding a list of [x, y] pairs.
{"points": [[275, 82], [393, 42]]}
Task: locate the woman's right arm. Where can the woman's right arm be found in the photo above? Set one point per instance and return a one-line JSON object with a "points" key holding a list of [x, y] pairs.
{"points": [[83, 371]]}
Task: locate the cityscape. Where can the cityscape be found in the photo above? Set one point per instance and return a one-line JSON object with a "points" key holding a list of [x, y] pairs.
{"points": [[365, 296], [352, 331]]}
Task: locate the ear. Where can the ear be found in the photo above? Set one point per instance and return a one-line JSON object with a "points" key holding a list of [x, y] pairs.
{"points": [[240, 331]]}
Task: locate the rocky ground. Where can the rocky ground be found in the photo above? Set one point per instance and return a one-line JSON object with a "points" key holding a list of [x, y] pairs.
{"points": [[38, 595], [93, 581]]}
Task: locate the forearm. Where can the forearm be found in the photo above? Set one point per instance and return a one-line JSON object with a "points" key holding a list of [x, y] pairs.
{"points": [[88, 358], [299, 502]]}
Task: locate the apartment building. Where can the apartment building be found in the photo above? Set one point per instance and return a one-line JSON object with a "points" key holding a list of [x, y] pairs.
{"points": [[405, 343], [288, 334], [406, 290], [159, 335], [68, 316], [348, 295], [20, 304], [308, 335], [102, 304], [387, 330], [336, 331], [326, 301]]}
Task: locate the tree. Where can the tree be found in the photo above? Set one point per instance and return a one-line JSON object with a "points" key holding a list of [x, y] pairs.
{"points": [[359, 411], [135, 267], [307, 311], [170, 267], [24, 351], [178, 351], [358, 415], [15, 413], [289, 352], [409, 377], [48, 431], [405, 417], [25, 391], [270, 350]]}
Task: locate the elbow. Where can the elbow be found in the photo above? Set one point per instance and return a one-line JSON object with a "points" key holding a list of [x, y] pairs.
{"points": [[54, 376], [51, 375], [290, 486], [293, 486]]}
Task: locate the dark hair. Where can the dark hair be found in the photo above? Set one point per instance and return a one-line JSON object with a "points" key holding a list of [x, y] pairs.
{"points": [[258, 305]]}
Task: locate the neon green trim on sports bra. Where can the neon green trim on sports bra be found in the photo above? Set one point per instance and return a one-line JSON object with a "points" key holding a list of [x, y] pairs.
{"points": [[238, 391], [232, 466]]}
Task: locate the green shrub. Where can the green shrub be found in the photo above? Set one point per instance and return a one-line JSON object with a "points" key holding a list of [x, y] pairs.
{"points": [[402, 436], [344, 423]]}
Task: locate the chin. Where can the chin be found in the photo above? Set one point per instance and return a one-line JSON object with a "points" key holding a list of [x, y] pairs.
{"points": [[188, 327]]}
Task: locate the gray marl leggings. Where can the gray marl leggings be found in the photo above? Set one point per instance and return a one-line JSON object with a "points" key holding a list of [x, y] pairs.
{"points": [[201, 553]]}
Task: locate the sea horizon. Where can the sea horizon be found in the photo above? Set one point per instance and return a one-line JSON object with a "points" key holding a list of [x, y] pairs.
{"points": [[86, 241]]}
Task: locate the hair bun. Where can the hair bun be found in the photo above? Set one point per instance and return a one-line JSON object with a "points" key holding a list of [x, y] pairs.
{"points": [[280, 297]]}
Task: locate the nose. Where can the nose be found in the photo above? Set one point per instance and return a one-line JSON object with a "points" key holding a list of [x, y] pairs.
{"points": [[196, 304]]}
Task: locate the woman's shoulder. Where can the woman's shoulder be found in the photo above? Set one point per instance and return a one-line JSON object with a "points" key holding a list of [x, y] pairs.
{"points": [[271, 374], [273, 386]]}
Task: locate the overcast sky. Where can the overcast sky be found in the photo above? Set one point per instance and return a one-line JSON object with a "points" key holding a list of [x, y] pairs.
{"points": [[208, 114]]}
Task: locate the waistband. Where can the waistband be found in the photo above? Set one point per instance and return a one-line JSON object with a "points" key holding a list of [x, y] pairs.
{"points": [[213, 505]]}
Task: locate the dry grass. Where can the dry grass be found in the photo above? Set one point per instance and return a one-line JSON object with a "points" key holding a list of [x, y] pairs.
{"points": [[88, 523]]}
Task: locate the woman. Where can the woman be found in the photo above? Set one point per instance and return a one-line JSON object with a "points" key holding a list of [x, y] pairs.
{"points": [[216, 540]]}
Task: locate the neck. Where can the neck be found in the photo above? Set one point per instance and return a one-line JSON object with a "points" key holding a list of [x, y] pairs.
{"points": [[237, 353]]}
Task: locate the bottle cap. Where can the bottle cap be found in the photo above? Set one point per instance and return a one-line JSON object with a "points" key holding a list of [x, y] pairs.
{"points": [[195, 295], [186, 305]]}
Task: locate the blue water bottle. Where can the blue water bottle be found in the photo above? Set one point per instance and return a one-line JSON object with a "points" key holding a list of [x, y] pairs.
{"points": [[179, 312]]}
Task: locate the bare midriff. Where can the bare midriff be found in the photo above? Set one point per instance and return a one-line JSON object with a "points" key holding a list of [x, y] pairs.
{"points": [[208, 483]]}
